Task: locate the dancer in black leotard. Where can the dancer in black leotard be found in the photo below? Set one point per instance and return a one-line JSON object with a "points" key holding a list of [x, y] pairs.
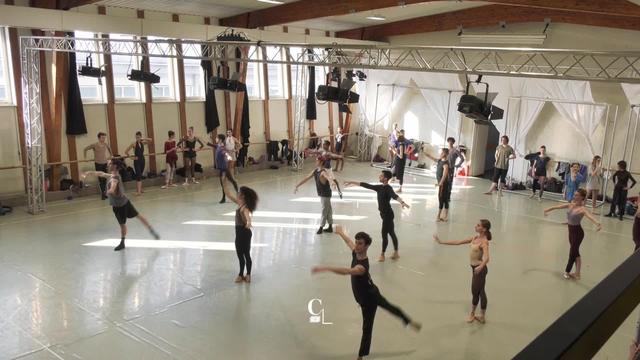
{"points": [[636, 228], [321, 177], [621, 179], [122, 207], [366, 293], [444, 176], [247, 201], [188, 146], [400, 152], [138, 158], [385, 194]]}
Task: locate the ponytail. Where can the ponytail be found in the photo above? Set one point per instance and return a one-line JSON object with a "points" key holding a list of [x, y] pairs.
{"points": [[486, 224], [488, 235]]}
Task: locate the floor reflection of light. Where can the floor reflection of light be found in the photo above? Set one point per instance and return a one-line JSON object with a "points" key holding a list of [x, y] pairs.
{"points": [[254, 224], [333, 200], [402, 195], [406, 189], [297, 215], [170, 244]]}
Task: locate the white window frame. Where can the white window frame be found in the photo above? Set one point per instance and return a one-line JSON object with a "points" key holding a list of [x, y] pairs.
{"points": [[5, 63], [203, 89], [282, 75], [134, 63], [98, 61], [255, 54], [171, 72]]}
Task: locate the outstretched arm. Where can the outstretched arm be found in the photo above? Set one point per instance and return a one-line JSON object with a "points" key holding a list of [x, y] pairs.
{"points": [[228, 192], [451, 242], [95, 173], [557, 207], [342, 232], [429, 155], [303, 181], [588, 215], [357, 270]]}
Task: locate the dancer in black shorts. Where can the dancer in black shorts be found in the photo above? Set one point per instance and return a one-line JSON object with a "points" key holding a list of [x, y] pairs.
{"points": [[366, 293], [540, 162], [122, 207], [138, 158], [504, 153], [385, 194]]}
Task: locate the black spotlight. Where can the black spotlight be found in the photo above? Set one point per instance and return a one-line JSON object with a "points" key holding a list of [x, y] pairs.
{"points": [[88, 70], [143, 76], [361, 75]]}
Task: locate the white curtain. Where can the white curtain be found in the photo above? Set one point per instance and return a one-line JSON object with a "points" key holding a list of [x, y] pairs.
{"points": [[632, 91]]}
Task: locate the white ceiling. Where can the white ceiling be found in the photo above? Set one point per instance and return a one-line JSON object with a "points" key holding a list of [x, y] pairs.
{"points": [[214, 8]]}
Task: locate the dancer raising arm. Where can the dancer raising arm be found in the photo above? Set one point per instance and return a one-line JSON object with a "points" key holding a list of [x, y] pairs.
{"points": [[576, 211], [138, 158], [122, 207], [247, 200], [100, 159], [365, 292], [479, 254], [385, 194], [322, 179]]}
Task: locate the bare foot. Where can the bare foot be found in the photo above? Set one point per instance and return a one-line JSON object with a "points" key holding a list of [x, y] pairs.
{"points": [[471, 318], [381, 258], [239, 279], [395, 256]]}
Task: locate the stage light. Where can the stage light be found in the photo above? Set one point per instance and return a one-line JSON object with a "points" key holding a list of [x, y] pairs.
{"points": [[361, 75], [143, 76], [89, 71], [478, 109]]}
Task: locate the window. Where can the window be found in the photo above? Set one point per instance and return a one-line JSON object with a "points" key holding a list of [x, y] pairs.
{"points": [[124, 88], [5, 89], [193, 74], [90, 89], [277, 79], [254, 88], [162, 67]]}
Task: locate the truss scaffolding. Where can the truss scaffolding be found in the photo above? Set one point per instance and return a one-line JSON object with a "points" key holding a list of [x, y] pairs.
{"points": [[524, 62]]}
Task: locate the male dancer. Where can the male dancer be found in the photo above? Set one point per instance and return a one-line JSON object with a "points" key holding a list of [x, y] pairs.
{"points": [[366, 293], [320, 174], [385, 194], [504, 153], [325, 155], [454, 154], [100, 159], [222, 164]]}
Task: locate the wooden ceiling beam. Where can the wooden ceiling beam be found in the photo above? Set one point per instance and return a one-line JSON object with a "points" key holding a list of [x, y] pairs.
{"points": [[471, 18], [313, 9], [60, 4]]}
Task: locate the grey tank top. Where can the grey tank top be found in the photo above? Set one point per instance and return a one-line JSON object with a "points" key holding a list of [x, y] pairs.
{"points": [[573, 217], [117, 199]]}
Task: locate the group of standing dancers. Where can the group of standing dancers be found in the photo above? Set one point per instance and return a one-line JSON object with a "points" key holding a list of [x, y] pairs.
{"points": [[365, 292]]}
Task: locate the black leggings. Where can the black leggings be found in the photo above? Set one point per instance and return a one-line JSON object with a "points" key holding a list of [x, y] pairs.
{"points": [[444, 195], [102, 181], [368, 316], [399, 169], [229, 176], [243, 248], [477, 287], [138, 167], [388, 228], [619, 200], [189, 167], [536, 181], [576, 234]]}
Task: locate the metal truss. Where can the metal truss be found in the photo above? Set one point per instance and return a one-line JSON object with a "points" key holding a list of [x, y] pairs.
{"points": [[524, 62]]}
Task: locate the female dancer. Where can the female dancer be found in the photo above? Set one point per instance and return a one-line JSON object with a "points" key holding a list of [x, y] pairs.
{"points": [[572, 181], [122, 207], [620, 190], [400, 152], [138, 158], [365, 292], [232, 145], [247, 201], [444, 176], [339, 150], [479, 260], [171, 150], [540, 171], [188, 146], [222, 164], [594, 181], [576, 211]]}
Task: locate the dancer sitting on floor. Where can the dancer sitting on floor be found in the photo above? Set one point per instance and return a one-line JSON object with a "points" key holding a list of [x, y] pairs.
{"points": [[576, 211], [321, 177], [479, 254], [222, 164], [385, 194], [122, 207], [247, 200], [366, 293]]}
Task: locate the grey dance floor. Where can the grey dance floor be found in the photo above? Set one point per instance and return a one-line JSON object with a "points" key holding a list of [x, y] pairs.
{"points": [[62, 296]]}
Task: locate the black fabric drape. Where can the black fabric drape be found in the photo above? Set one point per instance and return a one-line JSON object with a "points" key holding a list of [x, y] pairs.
{"points": [[76, 124], [238, 56], [311, 95], [245, 126], [211, 118]]}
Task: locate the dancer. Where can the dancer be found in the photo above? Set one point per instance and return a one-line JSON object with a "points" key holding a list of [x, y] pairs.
{"points": [[322, 179], [385, 194], [122, 207], [171, 151], [247, 200], [540, 162], [100, 159], [636, 227], [575, 212], [572, 181], [188, 146], [400, 152], [479, 253], [339, 150], [504, 153], [222, 161], [138, 158], [594, 181], [365, 292], [393, 142], [621, 180], [444, 176], [232, 145], [325, 155], [454, 154]]}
